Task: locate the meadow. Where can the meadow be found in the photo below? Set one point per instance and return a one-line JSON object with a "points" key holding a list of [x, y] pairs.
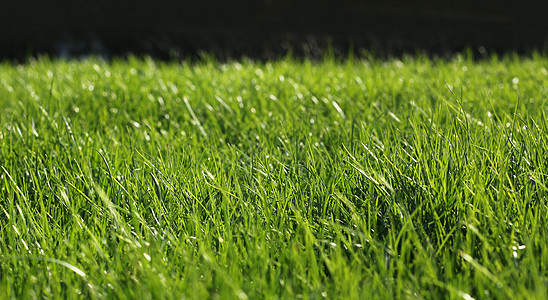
{"points": [[289, 179]]}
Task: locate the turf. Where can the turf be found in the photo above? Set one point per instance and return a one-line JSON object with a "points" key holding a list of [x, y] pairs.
{"points": [[411, 178]]}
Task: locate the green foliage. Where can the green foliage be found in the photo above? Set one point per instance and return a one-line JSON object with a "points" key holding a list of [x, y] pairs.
{"points": [[290, 179]]}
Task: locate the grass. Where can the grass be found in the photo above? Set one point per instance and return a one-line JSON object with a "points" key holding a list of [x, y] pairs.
{"points": [[290, 179]]}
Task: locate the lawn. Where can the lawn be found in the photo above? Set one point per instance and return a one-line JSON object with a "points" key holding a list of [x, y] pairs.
{"points": [[363, 178]]}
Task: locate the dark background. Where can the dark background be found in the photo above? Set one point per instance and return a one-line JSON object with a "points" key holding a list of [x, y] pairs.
{"points": [[269, 28]]}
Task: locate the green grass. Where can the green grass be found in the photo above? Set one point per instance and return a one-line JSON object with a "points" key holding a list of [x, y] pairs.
{"points": [[289, 179]]}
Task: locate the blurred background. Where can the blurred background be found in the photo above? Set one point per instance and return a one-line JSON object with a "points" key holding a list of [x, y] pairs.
{"points": [[267, 29]]}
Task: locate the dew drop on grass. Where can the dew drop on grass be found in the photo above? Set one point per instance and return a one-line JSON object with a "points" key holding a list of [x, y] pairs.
{"points": [[466, 296], [147, 257], [242, 295]]}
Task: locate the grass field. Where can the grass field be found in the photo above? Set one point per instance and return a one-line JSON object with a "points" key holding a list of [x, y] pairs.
{"points": [[412, 178]]}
